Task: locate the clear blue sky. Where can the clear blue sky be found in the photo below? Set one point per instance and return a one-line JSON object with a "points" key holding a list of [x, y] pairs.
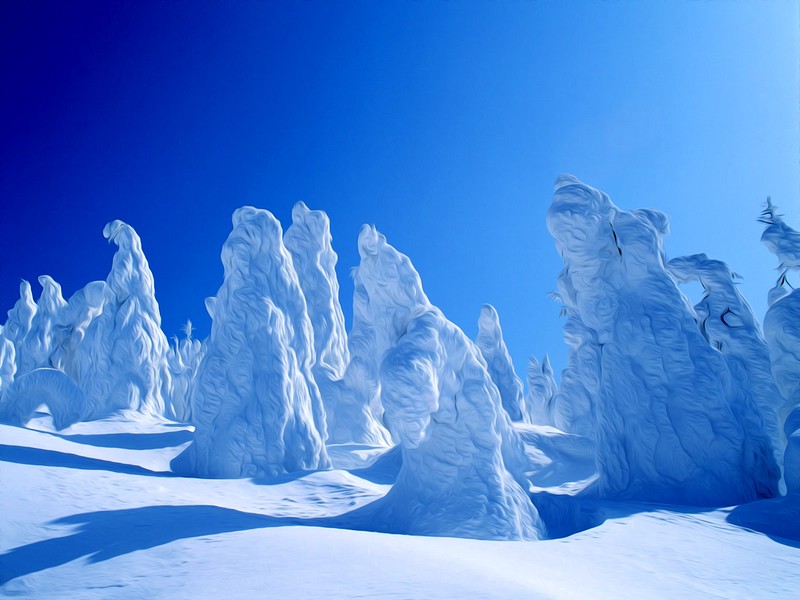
{"points": [[443, 123]]}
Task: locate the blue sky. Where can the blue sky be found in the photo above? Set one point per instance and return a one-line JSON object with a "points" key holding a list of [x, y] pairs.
{"points": [[443, 123]]}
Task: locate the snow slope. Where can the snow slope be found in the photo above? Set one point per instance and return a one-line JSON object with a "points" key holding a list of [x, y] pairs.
{"points": [[140, 532]]}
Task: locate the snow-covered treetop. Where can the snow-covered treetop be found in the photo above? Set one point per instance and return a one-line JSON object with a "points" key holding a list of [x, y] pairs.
{"points": [[130, 274]]}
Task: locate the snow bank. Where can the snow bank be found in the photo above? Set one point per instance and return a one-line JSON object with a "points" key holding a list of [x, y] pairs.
{"points": [[256, 407], [498, 361], [675, 422], [460, 453]]}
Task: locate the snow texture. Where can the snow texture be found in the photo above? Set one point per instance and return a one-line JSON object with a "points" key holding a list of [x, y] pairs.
{"points": [[728, 323], [116, 351], [308, 239], [782, 332], [41, 340], [498, 360], [255, 404], [183, 359], [542, 388], [675, 422], [460, 453]]}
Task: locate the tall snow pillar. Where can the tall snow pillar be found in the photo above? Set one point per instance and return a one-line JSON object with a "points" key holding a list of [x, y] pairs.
{"points": [[674, 422], [498, 360], [255, 404]]}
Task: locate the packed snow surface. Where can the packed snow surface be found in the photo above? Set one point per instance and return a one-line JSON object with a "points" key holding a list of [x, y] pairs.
{"points": [[94, 514]]}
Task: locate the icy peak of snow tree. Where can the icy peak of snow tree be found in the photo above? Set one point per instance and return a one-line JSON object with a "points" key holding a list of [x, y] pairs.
{"points": [[8, 364], [116, 351], [183, 358], [542, 389], [255, 405], [675, 422], [498, 360], [308, 239], [20, 317], [782, 332], [727, 322], [42, 339], [460, 452]]}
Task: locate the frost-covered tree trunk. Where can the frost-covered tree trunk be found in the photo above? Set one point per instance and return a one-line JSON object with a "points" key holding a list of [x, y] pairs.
{"points": [[255, 404], [675, 422]]}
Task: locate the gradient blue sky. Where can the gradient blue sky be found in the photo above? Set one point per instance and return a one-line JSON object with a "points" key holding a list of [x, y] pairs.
{"points": [[443, 123]]}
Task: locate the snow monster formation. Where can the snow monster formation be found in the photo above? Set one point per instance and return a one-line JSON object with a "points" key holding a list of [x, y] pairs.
{"points": [[463, 464], [100, 352], [675, 422], [349, 418], [256, 407], [782, 332], [117, 354], [498, 361], [728, 323], [40, 343], [542, 390]]}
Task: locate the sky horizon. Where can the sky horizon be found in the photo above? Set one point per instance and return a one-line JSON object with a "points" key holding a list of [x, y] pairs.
{"points": [[443, 124]]}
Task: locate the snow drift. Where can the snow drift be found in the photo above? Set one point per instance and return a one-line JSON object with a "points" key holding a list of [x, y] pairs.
{"points": [[255, 404], [674, 422]]}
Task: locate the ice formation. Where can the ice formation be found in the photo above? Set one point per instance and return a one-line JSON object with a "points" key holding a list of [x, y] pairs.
{"points": [[42, 339], [782, 332], [498, 360], [460, 452], [349, 418], [727, 322], [308, 239], [119, 356], [542, 389], [183, 358], [675, 422], [256, 407]]}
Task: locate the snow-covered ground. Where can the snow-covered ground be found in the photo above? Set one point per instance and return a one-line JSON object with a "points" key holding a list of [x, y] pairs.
{"points": [[93, 512]]}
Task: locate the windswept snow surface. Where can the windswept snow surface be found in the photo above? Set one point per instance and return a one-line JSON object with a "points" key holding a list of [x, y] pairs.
{"points": [[460, 453], [676, 421], [498, 361], [255, 403], [93, 514]]}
